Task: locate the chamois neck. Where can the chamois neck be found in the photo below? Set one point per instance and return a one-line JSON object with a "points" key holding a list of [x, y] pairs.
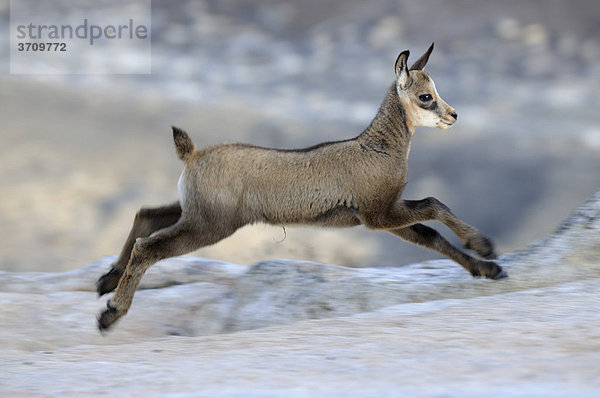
{"points": [[388, 132]]}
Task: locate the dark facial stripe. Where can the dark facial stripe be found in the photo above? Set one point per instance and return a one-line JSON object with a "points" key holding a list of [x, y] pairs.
{"points": [[431, 106]]}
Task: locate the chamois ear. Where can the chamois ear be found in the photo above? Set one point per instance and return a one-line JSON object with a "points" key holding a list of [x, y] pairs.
{"points": [[422, 61], [402, 77]]}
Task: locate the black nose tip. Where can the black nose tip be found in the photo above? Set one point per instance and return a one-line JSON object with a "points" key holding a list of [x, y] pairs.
{"points": [[454, 115]]}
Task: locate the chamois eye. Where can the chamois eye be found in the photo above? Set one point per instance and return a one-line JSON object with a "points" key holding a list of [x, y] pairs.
{"points": [[425, 97]]}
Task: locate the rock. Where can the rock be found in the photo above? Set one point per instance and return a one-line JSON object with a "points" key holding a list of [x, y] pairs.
{"points": [[299, 328]]}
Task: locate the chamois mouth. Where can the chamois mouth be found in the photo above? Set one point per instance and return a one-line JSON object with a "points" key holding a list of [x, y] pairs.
{"points": [[446, 122]]}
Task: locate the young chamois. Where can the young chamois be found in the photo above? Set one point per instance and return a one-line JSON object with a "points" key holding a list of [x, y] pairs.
{"points": [[333, 184]]}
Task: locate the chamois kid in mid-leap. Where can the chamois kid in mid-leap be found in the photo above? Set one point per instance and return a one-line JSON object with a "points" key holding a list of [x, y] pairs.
{"points": [[333, 184]]}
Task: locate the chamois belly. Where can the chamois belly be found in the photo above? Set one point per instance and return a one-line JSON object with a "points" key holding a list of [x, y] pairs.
{"points": [[337, 217]]}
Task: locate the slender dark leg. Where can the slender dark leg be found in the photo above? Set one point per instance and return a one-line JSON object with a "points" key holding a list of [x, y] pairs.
{"points": [[175, 240], [428, 237], [146, 222], [404, 213]]}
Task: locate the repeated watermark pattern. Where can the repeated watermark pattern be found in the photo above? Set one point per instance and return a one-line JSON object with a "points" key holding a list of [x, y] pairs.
{"points": [[68, 37]]}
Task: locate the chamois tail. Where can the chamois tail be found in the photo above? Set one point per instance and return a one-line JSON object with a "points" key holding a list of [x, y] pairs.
{"points": [[183, 144]]}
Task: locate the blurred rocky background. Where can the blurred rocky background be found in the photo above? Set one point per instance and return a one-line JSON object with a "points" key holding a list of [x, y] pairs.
{"points": [[79, 154]]}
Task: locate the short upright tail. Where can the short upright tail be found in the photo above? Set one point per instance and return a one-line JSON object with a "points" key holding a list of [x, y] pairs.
{"points": [[183, 144]]}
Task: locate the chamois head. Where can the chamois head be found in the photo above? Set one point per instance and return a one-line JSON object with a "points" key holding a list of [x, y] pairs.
{"points": [[417, 92]]}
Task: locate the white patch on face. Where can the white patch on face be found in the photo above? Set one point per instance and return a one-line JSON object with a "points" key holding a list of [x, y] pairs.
{"points": [[419, 117], [443, 110], [426, 118]]}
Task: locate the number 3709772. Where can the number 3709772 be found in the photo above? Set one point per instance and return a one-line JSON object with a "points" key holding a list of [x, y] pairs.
{"points": [[42, 46]]}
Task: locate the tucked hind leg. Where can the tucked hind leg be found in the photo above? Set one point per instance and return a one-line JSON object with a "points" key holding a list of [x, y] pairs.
{"points": [[428, 237], [146, 222], [175, 240]]}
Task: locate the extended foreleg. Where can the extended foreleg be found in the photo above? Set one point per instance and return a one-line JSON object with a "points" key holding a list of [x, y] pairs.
{"points": [[428, 237], [404, 213]]}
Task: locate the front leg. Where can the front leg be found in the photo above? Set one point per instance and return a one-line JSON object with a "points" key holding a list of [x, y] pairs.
{"points": [[404, 213], [422, 235]]}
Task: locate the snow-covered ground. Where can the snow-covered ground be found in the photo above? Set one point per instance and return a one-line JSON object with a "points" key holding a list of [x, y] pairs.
{"points": [[294, 328]]}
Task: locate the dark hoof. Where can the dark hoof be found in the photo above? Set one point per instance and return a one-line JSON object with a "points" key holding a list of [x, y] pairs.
{"points": [[501, 275], [107, 318], [482, 246], [108, 282], [492, 270]]}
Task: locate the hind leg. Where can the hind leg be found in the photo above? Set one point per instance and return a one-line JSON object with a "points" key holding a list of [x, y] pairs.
{"points": [[175, 240], [146, 222]]}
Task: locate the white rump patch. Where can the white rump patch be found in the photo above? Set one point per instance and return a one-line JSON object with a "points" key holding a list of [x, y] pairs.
{"points": [[181, 188]]}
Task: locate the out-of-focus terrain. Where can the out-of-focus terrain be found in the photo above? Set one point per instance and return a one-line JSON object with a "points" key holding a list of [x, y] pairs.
{"points": [[79, 154], [200, 327]]}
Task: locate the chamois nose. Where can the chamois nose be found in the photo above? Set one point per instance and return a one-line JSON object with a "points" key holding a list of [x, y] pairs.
{"points": [[454, 115]]}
